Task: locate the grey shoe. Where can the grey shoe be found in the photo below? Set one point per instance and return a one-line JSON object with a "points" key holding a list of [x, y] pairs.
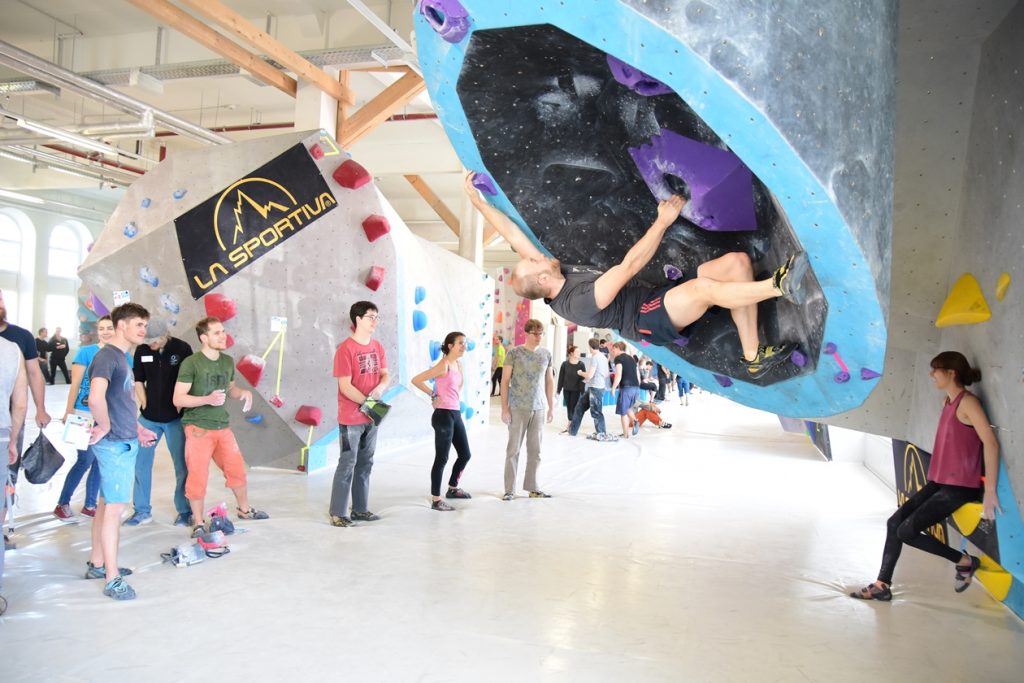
{"points": [[508, 496], [94, 572], [119, 589], [366, 516], [441, 506]]}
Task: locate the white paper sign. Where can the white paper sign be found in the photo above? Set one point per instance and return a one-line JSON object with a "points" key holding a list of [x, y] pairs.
{"points": [[277, 323], [121, 296], [76, 431]]}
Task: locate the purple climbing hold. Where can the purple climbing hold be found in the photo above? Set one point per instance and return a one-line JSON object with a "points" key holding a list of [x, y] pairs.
{"points": [[842, 377], [419, 320], [672, 273], [868, 373], [721, 187], [635, 79], [485, 184], [723, 380], [831, 348], [447, 17], [131, 230], [798, 358], [681, 341]]}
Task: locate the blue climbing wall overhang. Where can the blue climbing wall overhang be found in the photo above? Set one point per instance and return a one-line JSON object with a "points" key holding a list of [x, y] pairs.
{"points": [[805, 101]]}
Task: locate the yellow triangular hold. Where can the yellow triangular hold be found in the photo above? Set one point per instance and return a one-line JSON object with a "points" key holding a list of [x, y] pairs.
{"points": [[965, 304]]}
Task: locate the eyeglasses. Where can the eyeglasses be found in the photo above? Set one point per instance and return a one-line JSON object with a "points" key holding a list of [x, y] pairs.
{"points": [[370, 317], [539, 334]]}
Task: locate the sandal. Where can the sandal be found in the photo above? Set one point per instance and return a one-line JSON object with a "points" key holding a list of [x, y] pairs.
{"points": [[252, 513], [965, 574], [873, 592]]}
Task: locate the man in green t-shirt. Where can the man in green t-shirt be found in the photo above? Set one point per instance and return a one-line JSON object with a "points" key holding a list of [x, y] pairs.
{"points": [[205, 380]]}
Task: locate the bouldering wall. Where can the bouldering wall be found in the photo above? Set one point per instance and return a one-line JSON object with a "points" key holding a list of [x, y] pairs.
{"points": [[278, 237], [585, 116]]}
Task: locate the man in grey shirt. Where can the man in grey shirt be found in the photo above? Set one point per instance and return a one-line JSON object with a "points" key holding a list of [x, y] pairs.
{"points": [[522, 406], [596, 377]]}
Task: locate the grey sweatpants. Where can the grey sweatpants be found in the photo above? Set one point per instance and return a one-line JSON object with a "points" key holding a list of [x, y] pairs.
{"points": [[525, 424]]}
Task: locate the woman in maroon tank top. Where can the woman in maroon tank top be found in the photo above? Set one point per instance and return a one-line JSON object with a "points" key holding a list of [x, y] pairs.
{"points": [[963, 441]]}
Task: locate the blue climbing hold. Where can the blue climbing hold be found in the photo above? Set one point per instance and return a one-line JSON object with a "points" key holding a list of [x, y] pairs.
{"points": [[419, 320], [470, 413], [462, 406], [470, 344], [131, 230], [169, 304], [254, 419], [148, 276], [145, 202], [435, 351], [420, 295], [178, 194]]}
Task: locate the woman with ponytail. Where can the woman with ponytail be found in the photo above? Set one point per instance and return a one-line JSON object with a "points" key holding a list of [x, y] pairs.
{"points": [[447, 419], [964, 443]]}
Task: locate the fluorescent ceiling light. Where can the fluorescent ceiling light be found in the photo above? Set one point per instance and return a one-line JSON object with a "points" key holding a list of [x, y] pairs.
{"points": [[65, 136], [17, 196]]}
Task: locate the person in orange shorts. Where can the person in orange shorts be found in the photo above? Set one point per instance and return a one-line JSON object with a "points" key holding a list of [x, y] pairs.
{"points": [[649, 411], [205, 382]]}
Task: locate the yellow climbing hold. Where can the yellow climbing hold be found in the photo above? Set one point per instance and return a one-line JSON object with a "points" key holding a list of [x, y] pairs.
{"points": [[967, 517], [996, 579], [1002, 284], [965, 304]]}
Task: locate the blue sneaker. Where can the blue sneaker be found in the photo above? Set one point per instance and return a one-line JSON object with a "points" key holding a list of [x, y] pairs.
{"points": [[183, 519], [138, 519], [636, 427], [119, 589], [94, 572]]}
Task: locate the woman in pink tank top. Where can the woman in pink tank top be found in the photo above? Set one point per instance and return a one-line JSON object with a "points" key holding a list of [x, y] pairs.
{"points": [[963, 441], [447, 418]]}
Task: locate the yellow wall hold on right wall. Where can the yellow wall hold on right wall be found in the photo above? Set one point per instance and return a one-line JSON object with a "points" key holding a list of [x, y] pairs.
{"points": [[965, 305], [1002, 284]]}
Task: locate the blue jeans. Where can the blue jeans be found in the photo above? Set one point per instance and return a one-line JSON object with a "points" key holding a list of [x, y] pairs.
{"points": [[358, 442], [596, 399], [175, 435], [86, 461]]}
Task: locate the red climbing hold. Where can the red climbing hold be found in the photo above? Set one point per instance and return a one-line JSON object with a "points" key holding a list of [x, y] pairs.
{"points": [[375, 278], [376, 226], [275, 400], [316, 151], [229, 342], [308, 415], [250, 366], [351, 175], [219, 306]]}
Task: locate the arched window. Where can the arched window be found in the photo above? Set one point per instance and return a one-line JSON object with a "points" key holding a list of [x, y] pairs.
{"points": [[17, 261], [67, 250]]}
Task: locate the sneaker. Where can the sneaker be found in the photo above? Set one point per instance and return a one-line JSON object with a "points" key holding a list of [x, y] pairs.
{"points": [[539, 494], [138, 519], [183, 519], [788, 278], [441, 506], [198, 530], [457, 493], [252, 513], [9, 544], [63, 513], [666, 425], [768, 357], [508, 496], [89, 512], [119, 589], [94, 572], [341, 521], [636, 427], [3, 605], [366, 516]]}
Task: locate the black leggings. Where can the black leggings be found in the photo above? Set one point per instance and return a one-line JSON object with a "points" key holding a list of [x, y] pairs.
{"points": [[448, 430], [929, 506], [571, 399]]}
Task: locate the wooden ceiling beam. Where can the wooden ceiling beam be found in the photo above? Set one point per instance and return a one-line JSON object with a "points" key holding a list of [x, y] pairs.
{"points": [[230, 20], [439, 207], [185, 23], [377, 110]]}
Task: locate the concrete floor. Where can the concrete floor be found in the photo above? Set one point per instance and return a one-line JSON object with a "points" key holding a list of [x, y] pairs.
{"points": [[719, 550]]}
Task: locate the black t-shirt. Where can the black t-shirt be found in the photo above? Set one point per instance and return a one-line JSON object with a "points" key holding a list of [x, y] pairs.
{"points": [[23, 338], [568, 377], [159, 371], [59, 348], [575, 302], [42, 348], [629, 377]]}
